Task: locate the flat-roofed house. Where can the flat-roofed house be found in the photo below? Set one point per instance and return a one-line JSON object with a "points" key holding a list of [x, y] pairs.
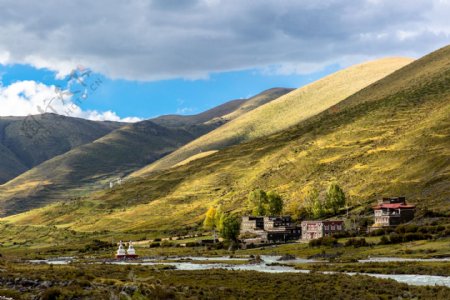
{"points": [[262, 230], [312, 230]]}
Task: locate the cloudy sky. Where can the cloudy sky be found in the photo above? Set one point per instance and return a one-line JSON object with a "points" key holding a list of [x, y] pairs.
{"points": [[147, 58]]}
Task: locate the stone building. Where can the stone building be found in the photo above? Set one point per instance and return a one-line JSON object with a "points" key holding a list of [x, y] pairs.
{"points": [[261, 230], [392, 212], [316, 229]]}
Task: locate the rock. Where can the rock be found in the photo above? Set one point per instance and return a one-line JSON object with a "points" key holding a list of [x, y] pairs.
{"points": [[287, 257], [129, 289], [46, 284], [256, 260]]}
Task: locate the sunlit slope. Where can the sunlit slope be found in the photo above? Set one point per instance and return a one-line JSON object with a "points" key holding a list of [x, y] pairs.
{"points": [[115, 155], [389, 139], [285, 111]]}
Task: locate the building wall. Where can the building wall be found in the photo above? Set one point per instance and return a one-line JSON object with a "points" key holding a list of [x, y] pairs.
{"points": [[316, 229]]}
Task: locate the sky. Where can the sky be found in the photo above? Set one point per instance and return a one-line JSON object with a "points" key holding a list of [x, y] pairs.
{"points": [[133, 60]]}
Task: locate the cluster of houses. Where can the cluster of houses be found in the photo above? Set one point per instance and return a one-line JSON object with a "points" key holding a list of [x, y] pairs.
{"points": [[258, 230]]}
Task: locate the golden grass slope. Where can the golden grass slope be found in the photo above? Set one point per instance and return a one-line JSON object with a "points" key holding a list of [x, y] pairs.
{"points": [[389, 139], [285, 111]]}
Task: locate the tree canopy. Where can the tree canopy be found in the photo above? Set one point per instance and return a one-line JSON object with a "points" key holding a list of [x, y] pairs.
{"points": [[264, 204], [230, 227]]}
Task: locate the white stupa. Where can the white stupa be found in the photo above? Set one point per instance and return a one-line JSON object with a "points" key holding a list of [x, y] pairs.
{"points": [[121, 251], [131, 252]]}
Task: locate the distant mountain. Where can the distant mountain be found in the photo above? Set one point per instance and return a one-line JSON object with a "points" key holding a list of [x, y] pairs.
{"points": [[93, 165], [26, 142], [390, 138], [284, 112]]}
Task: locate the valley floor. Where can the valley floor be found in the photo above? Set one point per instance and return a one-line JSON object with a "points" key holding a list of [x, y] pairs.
{"points": [[90, 275]]}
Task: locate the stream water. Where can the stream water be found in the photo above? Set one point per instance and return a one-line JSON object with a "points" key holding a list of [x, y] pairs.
{"points": [[191, 263]]}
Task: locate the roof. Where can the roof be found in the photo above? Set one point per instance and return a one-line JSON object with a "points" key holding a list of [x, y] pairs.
{"points": [[324, 222], [393, 205]]}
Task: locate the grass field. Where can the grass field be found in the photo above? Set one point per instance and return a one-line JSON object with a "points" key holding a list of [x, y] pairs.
{"points": [[98, 281], [285, 111]]}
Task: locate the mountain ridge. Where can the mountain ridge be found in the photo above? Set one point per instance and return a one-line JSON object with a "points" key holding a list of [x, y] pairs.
{"points": [[391, 138], [284, 112], [93, 165]]}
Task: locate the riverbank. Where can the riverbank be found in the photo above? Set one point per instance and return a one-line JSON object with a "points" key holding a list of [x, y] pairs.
{"points": [[102, 281]]}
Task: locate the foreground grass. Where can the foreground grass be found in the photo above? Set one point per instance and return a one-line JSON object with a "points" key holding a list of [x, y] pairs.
{"points": [[24, 281], [411, 267]]}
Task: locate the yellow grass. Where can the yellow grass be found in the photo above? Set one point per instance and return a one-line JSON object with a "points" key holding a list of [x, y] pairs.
{"points": [[196, 156], [285, 111]]}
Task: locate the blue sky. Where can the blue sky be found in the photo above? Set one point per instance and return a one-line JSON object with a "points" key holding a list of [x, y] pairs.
{"points": [[146, 99], [159, 57]]}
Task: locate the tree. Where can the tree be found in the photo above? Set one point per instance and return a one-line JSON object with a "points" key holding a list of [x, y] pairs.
{"points": [[257, 201], [335, 198], [318, 209], [311, 202], [212, 220], [230, 227], [275, 203]]}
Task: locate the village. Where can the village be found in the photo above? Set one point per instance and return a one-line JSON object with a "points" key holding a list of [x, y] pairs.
{"points": [[257, 231]]}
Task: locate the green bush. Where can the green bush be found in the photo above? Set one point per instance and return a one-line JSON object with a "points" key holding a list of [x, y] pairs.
{"points": [[51, 294], [356, 242], [327, 241], [166, 244], [384, 240], [192, 244], [154, 245]]}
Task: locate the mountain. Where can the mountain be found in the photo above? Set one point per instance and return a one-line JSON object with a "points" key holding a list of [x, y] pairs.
{"points": [[26, 142], [284, 112], [93, 165], [388, 139]]}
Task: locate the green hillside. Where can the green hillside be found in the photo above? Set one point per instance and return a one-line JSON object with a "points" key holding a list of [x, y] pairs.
{"points": [[391, 138], [113, 156], [25, 142], [284, 112]]}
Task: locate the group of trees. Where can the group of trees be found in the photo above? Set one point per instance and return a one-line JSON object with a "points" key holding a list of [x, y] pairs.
{"points": [[316, 206], [227, 225], [265, 204]]}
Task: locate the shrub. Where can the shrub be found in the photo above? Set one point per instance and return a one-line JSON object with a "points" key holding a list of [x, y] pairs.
{"points": [[154, 245], [51, 294], [415, 237], [411, 228], [157, 240], [384, 240], [324, 241], [166, 244], [356, 242], [97, 245], [395, 238]]}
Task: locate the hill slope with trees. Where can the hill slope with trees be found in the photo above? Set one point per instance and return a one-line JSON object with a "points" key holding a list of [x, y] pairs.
{"points": [[388, 139]]}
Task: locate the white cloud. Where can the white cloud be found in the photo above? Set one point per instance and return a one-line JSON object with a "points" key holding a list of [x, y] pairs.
{"points": [[30, 98], [147, 40]]}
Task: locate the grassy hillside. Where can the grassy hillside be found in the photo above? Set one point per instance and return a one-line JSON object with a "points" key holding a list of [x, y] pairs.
{"points": [[93, 165], [391, 138], [26, 142], [284, 112]]}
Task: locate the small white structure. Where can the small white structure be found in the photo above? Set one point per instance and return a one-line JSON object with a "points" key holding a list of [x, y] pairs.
{"points": [[116, 181], [121, 251], [131, 252]]}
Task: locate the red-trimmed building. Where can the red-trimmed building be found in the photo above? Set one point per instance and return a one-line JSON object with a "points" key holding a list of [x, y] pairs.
{"points": [[312, 230], [392, 212]]}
